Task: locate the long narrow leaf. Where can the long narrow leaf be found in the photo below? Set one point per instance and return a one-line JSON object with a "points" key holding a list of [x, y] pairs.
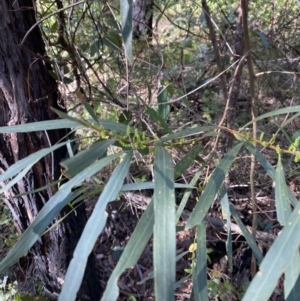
{"points": [[39, 126], [276, 260], [179, 282], [283, 207], [288, 110], [227, 216], [131, 253], [54, 183], [62, 124], [158, 119], [187, 160], [90, 111], [83, 159], [164, 252], [92, 230], [150, 185], [292, 279], [64, 115], [48, 212], [215, 181], [151, 274], [126, 21], [15, 179], [268, 168], [187, 194], [28, 161], [251, 241], [163, 99], [187, 132], [199, 274]]}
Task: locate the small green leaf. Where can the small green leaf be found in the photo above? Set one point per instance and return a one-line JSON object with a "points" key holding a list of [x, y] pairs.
{"points": [[113, 40], [263, 37], [67, 80]]}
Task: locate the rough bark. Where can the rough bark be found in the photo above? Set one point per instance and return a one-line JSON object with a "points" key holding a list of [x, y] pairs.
{"points": [[27, 92], [142, 14]]}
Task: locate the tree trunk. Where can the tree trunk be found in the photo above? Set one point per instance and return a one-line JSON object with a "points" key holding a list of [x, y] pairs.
{"points": [[142, 15], [27, 92]]}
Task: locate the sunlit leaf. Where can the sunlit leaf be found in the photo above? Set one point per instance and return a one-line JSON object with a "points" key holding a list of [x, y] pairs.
{"points": [[283, 207], [227, 216]]}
